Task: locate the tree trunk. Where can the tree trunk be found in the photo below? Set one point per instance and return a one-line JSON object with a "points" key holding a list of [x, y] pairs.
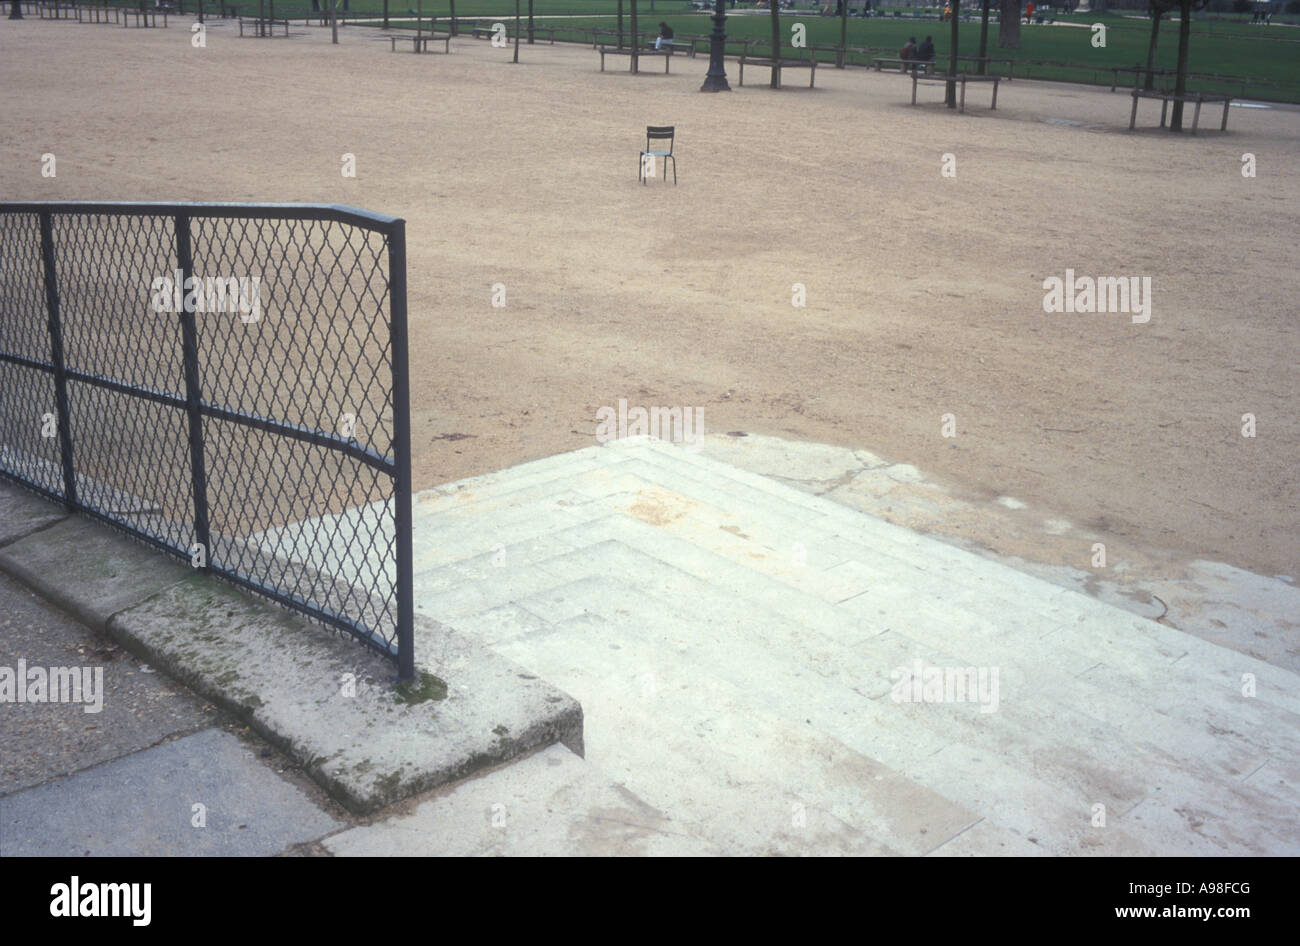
{"points": [[530, 23], [1008, 24], [1180, 85], [776, 38], [620, 24], [516, 59], [844, 34], [636, 40], [1156, 14], [951, 97], [984, 33]]}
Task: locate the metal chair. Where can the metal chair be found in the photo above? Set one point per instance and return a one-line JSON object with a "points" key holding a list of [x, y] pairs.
{"points": [[657, 133]]}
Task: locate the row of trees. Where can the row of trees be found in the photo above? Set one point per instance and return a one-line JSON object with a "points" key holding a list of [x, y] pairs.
{"points": [[1009, 38]]}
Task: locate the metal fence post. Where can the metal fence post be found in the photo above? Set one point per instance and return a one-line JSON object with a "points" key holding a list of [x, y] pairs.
{"points": [[401, 451], [193, 392], [56, 357]]}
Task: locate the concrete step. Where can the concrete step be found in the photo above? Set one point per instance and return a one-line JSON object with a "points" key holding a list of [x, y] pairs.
{"points": [[749, 780], [1020, 736], [548, 804], [735, 644]]}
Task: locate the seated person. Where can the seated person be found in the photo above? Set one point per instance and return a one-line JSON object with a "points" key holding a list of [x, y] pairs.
{"points": [[665, 35], [925, 52], [909, 51]]}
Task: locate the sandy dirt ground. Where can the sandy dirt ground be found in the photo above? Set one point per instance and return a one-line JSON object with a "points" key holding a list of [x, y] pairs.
{"points": [[924, 293]]}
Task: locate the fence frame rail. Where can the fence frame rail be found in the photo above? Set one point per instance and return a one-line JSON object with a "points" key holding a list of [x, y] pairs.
{"points": [[397, 468]]}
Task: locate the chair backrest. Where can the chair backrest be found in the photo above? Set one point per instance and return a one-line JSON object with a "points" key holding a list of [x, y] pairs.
{"points": [[659, 133]]}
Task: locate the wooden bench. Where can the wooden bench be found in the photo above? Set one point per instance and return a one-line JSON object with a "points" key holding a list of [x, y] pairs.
{"points": [[1138, 73], [989, 60], [926, 65], [963, 78], [776, 65], [666, 54], [688, 48], [420, 43], [487, 32], [57, 11], [262, 26], [1166, 97], [142, 18]]}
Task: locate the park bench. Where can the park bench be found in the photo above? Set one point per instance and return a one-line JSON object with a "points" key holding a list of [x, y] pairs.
{"points": [[420, 43], [57, 11], [674, 45], [142, 17], [696, 38], [262, 26], [925, 65], [666, 54], [1138, 72], [961, 77], [487, 32], [96, 13], [1166, 97], [989, 60], [776, 65]]}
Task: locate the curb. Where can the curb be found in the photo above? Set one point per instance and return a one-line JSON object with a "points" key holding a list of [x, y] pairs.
{"points": [[325, 701]]}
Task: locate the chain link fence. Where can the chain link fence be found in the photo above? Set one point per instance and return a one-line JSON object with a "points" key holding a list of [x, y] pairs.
{"points": [[228, 383]]}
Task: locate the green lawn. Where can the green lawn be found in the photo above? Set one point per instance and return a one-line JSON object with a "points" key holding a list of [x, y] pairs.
{"points": [[1263, 59], [1219, 46]]}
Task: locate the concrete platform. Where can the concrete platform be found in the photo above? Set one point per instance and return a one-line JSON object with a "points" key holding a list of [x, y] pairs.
{"points": [[203, 794], [742, 648]]}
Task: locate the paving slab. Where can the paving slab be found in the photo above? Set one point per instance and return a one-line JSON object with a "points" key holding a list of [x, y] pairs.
{"points": [[551, 803], [733, 640], [203, 794], [331, 705], [132, 707], [90, 570], [22, 512]]}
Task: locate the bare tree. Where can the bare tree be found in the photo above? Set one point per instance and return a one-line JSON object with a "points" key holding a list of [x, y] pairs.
{"points": [[1008, 24], [1185, 8], [984, 34], [776, 39], [951, 97], [1158, 9]]}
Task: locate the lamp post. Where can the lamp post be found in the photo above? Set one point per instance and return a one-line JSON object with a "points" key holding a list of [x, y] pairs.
{"points": [[716, 79]]}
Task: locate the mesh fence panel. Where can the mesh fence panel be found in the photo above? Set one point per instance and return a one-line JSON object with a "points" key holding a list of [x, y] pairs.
{"points": [[227, 382]]}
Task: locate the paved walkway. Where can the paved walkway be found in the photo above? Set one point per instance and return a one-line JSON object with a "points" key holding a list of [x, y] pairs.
{"points": [[745, 652], [761, 671], [143, 768]]}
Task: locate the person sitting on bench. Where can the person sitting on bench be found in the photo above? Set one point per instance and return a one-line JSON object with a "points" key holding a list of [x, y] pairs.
{"points": [[665, 35], [925, 53], [909, 51]]}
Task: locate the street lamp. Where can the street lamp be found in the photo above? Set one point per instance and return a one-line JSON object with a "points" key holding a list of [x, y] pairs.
{"points": [[716, 79]]}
